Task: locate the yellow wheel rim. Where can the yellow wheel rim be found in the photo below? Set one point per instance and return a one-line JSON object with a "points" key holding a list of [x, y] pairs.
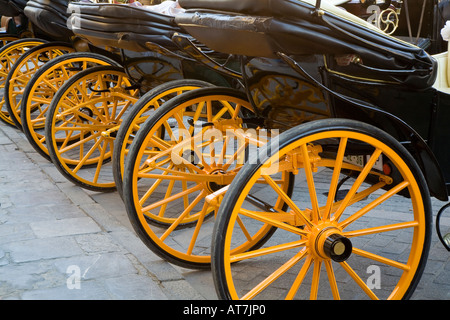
{"points": [[305, 266]]}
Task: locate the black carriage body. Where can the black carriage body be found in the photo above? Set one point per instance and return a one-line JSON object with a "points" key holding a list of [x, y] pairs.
{"points": [[301, 74]]}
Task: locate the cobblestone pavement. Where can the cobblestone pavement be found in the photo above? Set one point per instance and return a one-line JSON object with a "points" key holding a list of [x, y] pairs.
{"points": [[52, 230]]}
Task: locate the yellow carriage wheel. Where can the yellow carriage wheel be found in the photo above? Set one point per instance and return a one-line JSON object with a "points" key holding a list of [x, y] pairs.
{"points": [[140, 112], [42, 87], [366, 238], [22, 71], [178, 168], [82, 121], [9, 54]]}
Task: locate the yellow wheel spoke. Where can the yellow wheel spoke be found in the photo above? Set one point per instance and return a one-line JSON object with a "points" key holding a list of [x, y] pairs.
{"points": [[362, 176], [171, 198], [335, 178], [381, 259], [183, 215], [198, 225], [301, 275], [386, 228], [332, 280], [267, 250], [273, 222], [276, 274], [311, 186], [373, 204], [153, 187], [288, 201], [83, 160], [315, 279], [359, 281]]}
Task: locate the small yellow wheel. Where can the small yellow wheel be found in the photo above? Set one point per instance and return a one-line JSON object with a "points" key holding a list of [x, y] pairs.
{"points": [[42, 87], [82, 121], [9, 54], [178, 168], [21, 72], [368, 240]]}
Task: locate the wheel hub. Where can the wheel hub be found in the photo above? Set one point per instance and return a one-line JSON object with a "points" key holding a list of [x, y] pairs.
{"points": [[328, 243]]}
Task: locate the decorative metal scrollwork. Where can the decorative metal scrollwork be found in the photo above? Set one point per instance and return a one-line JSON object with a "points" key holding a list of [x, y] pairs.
{"points": [[388, 20]]}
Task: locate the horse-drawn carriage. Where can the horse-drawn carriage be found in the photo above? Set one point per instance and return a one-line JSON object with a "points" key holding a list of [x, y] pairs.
{"points": [[308, 159], [336, 145]]}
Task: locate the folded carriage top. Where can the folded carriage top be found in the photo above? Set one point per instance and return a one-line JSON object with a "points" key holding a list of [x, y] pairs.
{"points": [[11, 8], [122, 26], [262, 28], [50, 16]]}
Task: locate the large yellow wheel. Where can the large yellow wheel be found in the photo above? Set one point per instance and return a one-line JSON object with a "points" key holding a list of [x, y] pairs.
{"points": [[42, 87], [21, 72], [9, 54], [140, 112], [82, 121], [178, 167], [366, 238]]}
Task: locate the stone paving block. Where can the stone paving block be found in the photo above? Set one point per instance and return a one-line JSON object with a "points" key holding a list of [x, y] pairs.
{"points": [[200, 280], [97, 243], [91, 290], [15, 232], [75, 193], [35, 198], [64, 227], [134, 287], [182, 290], [53, 173], [46, 212], [19, 277], [97, 266], [38, 249], [101, 216], [4, 140]]}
